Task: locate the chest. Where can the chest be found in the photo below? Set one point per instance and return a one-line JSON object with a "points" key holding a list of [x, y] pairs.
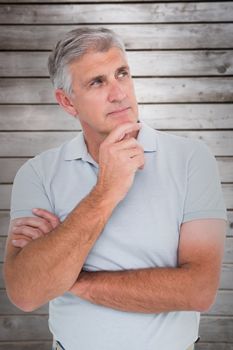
{"points": [[143, 229]]}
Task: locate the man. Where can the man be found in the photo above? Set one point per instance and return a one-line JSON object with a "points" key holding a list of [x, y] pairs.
{"points": [[128, 241]]}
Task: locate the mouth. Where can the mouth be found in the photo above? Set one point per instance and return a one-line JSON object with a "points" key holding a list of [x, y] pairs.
{"points": [[119, 111]]}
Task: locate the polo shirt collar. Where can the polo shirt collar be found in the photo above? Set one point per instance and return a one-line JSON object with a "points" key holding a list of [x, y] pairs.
{"points": [[77, 149], [147, 138]]}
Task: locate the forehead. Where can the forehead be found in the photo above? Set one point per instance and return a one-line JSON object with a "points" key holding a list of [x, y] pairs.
{"points": [[98, 63]]}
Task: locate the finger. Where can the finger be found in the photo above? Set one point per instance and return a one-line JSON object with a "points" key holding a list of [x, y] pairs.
{"points": [[131, 153], [28, 231], [138, 161], [119, 132], [35, 222], [45, 214], [127, 144], [19, 243]]}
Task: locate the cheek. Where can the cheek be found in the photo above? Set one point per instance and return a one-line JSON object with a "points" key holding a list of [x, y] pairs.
{"points": [[131, 91], [94, 104], [95, 97]]}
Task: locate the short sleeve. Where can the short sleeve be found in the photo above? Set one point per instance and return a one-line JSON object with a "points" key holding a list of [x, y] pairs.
{"points": [[204, 197], [28, 192]]}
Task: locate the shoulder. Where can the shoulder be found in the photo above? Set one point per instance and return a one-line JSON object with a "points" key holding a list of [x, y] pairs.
{"points": [[46, 162], [181, 146]]}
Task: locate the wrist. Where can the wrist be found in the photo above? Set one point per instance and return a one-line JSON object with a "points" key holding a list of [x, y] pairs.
{"points": [[105, 197]]}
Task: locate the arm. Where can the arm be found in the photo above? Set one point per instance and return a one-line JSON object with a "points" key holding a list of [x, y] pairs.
{"points": [[190, 286], [48, 266]]}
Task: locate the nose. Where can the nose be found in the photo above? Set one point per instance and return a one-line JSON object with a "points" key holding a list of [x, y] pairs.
{"points": [[116, 92]]}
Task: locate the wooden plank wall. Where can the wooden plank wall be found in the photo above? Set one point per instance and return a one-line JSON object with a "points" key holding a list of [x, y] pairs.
{"points": [[181, 58]]}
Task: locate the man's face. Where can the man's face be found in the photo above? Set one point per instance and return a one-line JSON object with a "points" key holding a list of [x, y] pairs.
{"points": [[103, 91]]}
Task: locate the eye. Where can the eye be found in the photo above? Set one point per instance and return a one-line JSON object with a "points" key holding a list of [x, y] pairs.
{"points": [[123, 74], [96, 82]]}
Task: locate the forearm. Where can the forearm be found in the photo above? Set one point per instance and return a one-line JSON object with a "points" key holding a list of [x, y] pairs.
{"points": [[48, 266], [151, 290]]}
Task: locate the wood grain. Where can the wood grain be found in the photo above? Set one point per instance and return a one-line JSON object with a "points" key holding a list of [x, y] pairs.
{"points": [[180, 54], [81, 1], [149, 36], [216, 329], [35, 327], [24, 327], [213, 346], [226, 281], [142, 63], [29, 345], [120, 13], [158, 116], [150, 90]]}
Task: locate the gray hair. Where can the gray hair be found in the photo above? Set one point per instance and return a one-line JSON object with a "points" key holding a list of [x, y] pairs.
{"points": [[73, 46]]}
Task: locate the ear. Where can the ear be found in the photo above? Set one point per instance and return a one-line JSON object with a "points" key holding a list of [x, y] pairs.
{"points": [[65, 102]]}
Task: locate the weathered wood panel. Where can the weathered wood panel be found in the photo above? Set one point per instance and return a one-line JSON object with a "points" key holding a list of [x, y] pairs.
{"points": [[149, 36], [149, 63], [2, 250], [33, 327], [225, 166], [220, 142], [223, 304], [151, 90], [4, 222], [27, 144], [24, 327], [120, 13], [214, 346], [159, 116], [39, 117], [9, 167], [81, 1], [31, 143], [184, 89], [2, 283], [210, 55], [226, 281], [187, 116], [216, 329], [228, 252], [35, 345]]}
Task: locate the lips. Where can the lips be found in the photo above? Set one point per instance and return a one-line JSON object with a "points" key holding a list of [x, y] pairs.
{"points": [[118, 111]]}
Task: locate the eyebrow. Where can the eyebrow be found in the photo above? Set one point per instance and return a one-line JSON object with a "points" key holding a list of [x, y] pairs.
{"points": [[125, 67]]}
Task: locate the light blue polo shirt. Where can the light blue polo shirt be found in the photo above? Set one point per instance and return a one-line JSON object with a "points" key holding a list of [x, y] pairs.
{"points": [[179, 183]]}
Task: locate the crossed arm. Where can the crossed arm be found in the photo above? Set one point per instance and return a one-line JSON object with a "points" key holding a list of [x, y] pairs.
{"points": [[192, 285]]}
